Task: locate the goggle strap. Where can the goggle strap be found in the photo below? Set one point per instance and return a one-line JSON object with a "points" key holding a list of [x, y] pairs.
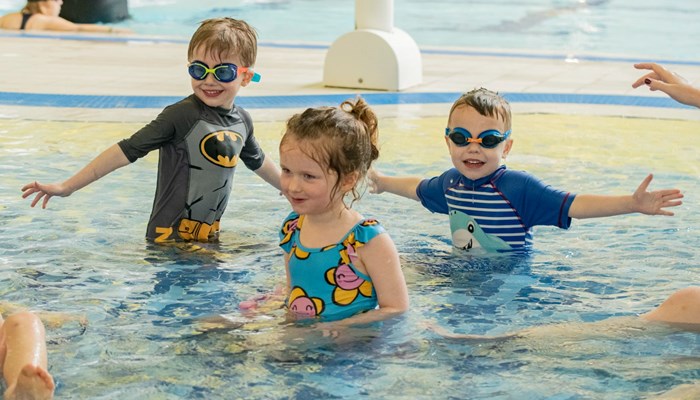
{"points": [[256, 76]]}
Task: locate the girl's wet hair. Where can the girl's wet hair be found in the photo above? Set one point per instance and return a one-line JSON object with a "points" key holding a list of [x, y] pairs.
{"points": [[32, 7], [487, 103], [341, 139], [223, 37]]}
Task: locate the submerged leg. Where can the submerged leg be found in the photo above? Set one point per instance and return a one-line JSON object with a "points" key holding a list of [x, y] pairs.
{"points": [[689, 391], [682, 307], [24, 361]]}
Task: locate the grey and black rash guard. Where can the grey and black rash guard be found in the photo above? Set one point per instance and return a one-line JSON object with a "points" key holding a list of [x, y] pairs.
{"points": [[199, 150]]}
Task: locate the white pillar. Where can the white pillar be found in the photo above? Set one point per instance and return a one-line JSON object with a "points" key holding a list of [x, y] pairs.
{"points": [[376, 55], [374, 14]]}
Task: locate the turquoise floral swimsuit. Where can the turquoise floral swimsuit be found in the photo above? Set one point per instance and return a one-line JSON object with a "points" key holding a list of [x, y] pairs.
{"points": [[324, 282]]}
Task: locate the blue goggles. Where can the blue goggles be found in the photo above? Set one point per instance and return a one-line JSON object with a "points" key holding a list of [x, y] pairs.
{"points": [[225, 72], [487, 139]]}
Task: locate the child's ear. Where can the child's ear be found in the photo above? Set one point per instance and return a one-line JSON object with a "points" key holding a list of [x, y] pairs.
{"points": [[247, 76], [506, 149], [349, 181]]}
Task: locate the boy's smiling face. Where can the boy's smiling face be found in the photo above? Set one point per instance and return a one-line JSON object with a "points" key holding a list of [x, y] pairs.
{"points": [[211, 91], [473, 160]]}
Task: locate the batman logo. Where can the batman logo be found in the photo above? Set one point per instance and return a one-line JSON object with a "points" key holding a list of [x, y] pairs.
{"points": [[220, 148]]}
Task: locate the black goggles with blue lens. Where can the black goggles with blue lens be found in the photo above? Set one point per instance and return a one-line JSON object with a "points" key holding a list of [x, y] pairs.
{"points": [[225, 72], [487, 139]]}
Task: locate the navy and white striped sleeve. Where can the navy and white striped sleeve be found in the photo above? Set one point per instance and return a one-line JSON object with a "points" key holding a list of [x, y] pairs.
{"points": [[431, 192]]}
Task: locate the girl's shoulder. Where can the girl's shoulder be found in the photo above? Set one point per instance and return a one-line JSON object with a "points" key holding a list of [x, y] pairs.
{"points": [[365, 230]]}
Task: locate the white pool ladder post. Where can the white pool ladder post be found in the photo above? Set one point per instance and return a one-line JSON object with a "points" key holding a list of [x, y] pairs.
{"points": [[376, 55]]}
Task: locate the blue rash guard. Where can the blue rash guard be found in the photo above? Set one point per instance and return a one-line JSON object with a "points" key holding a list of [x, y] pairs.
{"points": [[496, 212]]}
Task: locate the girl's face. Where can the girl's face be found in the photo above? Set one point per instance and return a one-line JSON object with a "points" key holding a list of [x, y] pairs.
{"points": [[473, 160], [307, 185], [212, 92]]}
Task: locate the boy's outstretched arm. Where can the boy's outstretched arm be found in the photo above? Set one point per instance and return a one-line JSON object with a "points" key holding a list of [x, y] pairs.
{"points": [[103, 164], [641, 201], [270, 172], [400, 185]]}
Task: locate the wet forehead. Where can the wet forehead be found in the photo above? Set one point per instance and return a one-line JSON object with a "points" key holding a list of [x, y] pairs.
{"points": [[470, 119], [207, 55]]}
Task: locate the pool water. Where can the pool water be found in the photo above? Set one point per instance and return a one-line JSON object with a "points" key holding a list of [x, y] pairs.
{"points": [[622, 27], [627, 28], [86, 254]]}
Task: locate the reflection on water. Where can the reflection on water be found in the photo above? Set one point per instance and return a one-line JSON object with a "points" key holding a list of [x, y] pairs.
{"points": [[145, 303]]}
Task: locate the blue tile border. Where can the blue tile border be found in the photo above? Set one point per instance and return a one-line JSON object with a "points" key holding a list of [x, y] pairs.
{"points": [[302, 101]]}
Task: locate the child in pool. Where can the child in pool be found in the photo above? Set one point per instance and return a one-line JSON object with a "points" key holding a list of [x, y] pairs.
{"points": [[495, 208], [23, 358], [339, 264], [200, 140], [668, 82]]}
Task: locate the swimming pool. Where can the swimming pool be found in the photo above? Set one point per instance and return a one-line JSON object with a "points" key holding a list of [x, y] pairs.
{"points": [[621, 27], [624, 28], [86, 254]]}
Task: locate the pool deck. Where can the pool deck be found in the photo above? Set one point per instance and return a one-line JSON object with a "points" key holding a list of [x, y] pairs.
{"points": [[131, 78]]}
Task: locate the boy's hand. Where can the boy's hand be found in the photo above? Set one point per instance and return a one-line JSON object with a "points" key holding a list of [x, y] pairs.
{"points": [[404, 186], [653, 203], [44, 191], [375, 181]]}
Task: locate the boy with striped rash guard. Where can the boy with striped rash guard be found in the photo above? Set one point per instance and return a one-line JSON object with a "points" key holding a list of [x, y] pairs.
{"points": [[492, 207]]}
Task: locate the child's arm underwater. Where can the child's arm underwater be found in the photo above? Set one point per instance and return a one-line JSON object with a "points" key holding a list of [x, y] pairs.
{"points": [[109, 160], [404, 186], [642, 201]]}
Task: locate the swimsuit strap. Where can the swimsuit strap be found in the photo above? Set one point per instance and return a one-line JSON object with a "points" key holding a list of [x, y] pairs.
{"points": [[25, 18]]}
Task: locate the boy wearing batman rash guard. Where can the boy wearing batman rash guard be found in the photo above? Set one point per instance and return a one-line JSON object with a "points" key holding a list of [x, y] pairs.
{"points": [[493, 207], [200, 139]]}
